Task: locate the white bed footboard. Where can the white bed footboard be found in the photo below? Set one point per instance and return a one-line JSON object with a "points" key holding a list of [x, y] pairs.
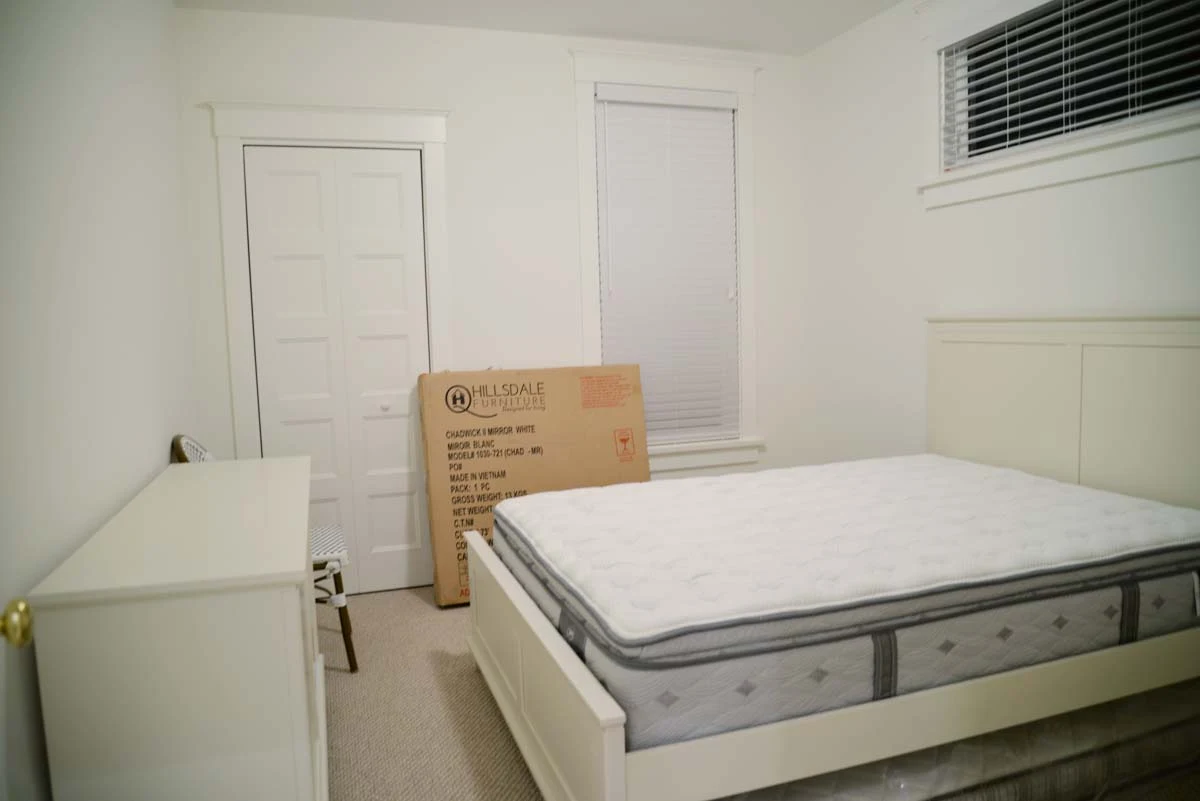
{"points": [[570, 731]]}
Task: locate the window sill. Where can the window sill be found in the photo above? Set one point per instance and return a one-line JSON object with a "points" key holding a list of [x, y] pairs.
{"points": [[1135, 146], [697, 455]]}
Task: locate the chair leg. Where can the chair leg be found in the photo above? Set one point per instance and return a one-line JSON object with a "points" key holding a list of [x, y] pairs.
{"points": [[344, 619]]}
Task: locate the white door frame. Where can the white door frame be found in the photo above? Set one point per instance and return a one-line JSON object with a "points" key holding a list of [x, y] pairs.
{"points": [[237, 125]]}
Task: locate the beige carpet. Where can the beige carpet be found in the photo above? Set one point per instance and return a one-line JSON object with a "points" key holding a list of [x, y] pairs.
{"points": [[418, 723]]}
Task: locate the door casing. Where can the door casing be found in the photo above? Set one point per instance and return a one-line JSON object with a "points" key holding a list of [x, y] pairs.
{"points": [[237, 125]]}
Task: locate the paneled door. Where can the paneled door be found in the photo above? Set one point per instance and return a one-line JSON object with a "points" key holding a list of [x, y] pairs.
{"points": [[337, 273]]}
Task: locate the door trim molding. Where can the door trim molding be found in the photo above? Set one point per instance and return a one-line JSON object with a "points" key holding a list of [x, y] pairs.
{"points": [[236, 125]]}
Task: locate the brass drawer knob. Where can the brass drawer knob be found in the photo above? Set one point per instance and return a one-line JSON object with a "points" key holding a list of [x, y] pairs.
{"points": [[17, 624]]}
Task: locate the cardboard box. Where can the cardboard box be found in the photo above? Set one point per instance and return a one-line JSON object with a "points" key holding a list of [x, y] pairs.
{"points": [[498, 434]]}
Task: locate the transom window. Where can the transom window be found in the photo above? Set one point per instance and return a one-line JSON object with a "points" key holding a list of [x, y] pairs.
{"points": [[1066, 66]]}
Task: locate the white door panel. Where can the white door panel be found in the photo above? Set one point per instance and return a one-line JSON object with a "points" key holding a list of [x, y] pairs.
{"points": [[291, 209], [338, 285], [387, 347]]}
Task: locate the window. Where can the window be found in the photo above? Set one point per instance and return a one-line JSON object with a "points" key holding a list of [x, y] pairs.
{"points": [[666, 245], [667, 226], [1066, 66]]}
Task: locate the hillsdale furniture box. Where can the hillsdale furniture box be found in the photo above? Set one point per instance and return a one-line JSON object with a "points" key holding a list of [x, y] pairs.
{"points": [[176, 649], [496, 434]]}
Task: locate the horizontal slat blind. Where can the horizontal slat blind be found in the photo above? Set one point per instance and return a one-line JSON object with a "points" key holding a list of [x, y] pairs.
{"points": [[1065, 66], [662, 96], [668, 262]]}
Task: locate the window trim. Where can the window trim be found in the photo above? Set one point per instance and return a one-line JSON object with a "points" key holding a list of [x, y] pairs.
{"points": [[953, 21], [1134, 144], [678, 457], [737, 77], [1166, 137], [237, 125]]}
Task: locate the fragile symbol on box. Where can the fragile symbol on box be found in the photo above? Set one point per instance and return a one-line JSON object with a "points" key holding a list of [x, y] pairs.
{"points": [[463, 579], [623, 439]]}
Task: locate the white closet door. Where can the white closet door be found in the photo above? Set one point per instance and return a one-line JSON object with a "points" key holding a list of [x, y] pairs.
{"points": [[299, 347], [338, 285], [387, 347]]}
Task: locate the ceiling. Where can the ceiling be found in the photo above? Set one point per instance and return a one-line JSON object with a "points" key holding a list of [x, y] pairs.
{"points": [[774, 26]]}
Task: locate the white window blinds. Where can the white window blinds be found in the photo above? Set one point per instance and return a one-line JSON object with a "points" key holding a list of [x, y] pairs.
{"points": [[668, 258], [1066, 66]]}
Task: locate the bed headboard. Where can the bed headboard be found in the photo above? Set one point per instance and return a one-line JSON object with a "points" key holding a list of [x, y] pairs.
{"points": [[1109, 403]]}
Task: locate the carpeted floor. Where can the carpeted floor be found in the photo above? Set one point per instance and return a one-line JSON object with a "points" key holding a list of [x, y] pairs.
{"points": [[418, 723]]}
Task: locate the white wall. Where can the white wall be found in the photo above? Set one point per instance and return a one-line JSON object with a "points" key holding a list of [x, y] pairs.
{"points": [[511, 161], [94, 330], [869, 263], [849, 262]]}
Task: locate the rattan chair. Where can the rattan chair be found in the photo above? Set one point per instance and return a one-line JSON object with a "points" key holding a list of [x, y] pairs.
{"points": [[329, 556], [327, 544]]}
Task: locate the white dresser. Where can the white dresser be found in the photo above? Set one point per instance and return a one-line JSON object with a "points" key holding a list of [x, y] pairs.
{"points": [[176, 649]]}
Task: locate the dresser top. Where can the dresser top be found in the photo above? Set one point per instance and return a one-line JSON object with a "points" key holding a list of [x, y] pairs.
{"points": [[205, 526]]}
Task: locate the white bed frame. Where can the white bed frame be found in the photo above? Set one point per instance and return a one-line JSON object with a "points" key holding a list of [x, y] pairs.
{"points": [[1108, 403]]}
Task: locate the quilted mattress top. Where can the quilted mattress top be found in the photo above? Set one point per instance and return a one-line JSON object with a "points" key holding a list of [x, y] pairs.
{"points": [[657, 559]]}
